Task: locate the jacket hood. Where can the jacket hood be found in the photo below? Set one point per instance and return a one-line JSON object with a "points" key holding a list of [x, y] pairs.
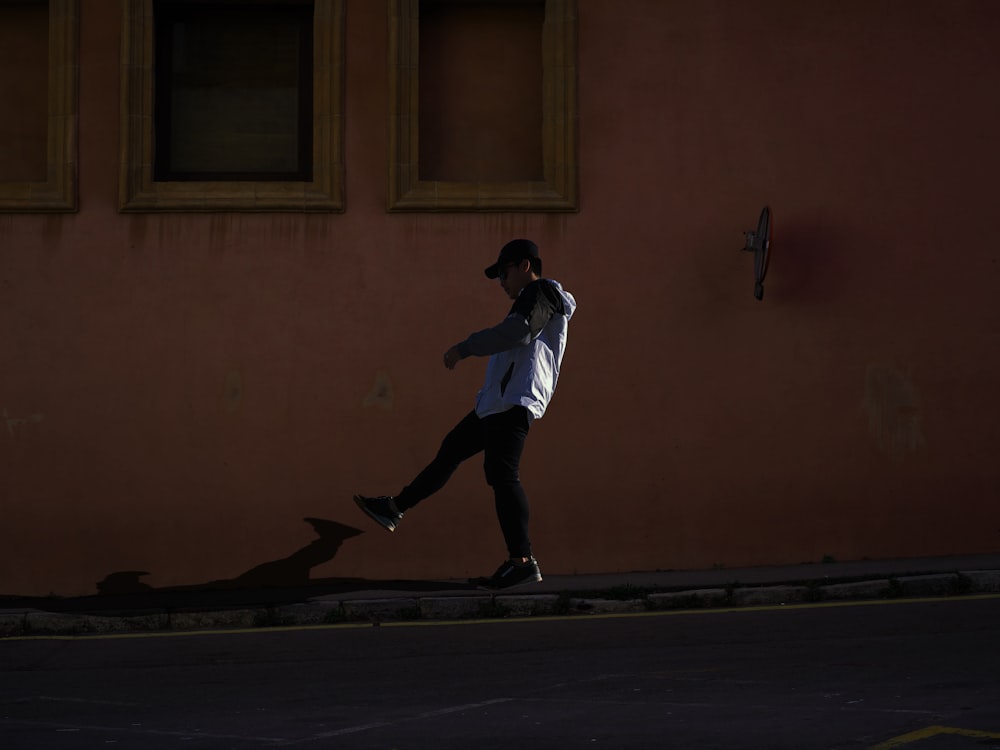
{"points": [[569, 301]]}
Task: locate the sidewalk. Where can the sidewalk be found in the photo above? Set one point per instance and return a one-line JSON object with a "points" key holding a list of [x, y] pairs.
{"points": [[360, 601]]}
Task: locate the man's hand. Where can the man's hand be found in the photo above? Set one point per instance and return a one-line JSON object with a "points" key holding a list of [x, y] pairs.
{"points": [[451, 357]]}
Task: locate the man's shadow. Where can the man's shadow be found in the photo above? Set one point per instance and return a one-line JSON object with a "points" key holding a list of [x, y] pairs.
{"points": [[291, 571], [294, 569], [281, 581]]}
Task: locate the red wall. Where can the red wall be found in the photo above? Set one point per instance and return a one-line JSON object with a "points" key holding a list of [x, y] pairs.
{"points": [[179, 391]]}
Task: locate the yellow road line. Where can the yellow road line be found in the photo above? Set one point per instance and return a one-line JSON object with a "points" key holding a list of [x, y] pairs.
{"points": [[499, 620], [927, 732]]}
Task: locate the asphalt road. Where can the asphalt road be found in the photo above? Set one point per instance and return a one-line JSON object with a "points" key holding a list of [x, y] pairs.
{"points": [[924, 675]]}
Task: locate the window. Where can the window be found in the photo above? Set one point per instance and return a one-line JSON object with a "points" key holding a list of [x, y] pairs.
{"points": [[232, 106], [480, 80], [482, 105], [38, 105], [223, 114]]}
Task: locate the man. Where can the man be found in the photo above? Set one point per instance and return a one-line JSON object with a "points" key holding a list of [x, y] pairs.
{"points": [[525, 351]]}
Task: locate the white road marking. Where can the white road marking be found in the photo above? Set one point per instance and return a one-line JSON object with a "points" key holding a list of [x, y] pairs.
{"points": [[402, 720]]}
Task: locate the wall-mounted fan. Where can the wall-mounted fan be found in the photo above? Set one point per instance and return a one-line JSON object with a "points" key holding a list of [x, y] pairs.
{"points": [[759, 243]]}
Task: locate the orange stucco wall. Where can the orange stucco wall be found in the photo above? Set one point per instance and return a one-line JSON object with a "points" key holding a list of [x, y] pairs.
{"points": [[179, 391]]}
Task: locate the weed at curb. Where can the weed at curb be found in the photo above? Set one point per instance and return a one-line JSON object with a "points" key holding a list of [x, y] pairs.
{"points": [[961, 586], [270, 618], [492, 610], [334, 617], [409, 613], [562, 606], [894, 590]]}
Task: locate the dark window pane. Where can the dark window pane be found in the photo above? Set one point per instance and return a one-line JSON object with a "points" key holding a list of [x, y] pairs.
{"points": [[234, 92], [24, 91]]}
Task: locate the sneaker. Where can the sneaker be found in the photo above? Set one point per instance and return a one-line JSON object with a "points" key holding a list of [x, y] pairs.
{"points": [[511, 574], [380, 509]]}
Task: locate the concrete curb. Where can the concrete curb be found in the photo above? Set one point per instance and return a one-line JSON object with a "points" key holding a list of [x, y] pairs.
{"points": [[37, 623]]}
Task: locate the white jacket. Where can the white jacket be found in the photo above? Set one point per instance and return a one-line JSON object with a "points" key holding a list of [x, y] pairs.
{"points": [[526, 350]]}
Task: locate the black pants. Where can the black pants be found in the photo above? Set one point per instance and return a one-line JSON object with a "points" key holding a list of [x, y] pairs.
{"points": [[501, 438]]}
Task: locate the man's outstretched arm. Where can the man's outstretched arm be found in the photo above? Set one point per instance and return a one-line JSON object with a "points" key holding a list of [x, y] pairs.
{"points": [[510, 332], [530, 313]]}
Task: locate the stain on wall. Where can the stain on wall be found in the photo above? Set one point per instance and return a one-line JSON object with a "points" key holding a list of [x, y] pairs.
{"points": [[381, 393], [234, 391], [892, 402], [14, 423]]}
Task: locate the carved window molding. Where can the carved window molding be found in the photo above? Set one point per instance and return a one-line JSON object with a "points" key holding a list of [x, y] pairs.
{"points": [[139, 192], [58, 193], [557, 191]]}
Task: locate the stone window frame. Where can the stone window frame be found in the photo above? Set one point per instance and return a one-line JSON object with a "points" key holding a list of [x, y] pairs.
{"points": [[557, 191], [139, 192], [58, 192]]}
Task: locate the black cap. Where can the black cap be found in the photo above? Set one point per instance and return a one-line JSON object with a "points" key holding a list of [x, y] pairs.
{"points": [[513, 252]]}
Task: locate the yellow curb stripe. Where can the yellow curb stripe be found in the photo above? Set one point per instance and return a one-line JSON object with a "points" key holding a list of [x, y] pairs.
{"points": [[934, 731], [499, 620]]}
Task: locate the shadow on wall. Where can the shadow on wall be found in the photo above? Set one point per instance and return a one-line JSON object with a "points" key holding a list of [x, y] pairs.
{"points": [[808, 262], [282, 581]]}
